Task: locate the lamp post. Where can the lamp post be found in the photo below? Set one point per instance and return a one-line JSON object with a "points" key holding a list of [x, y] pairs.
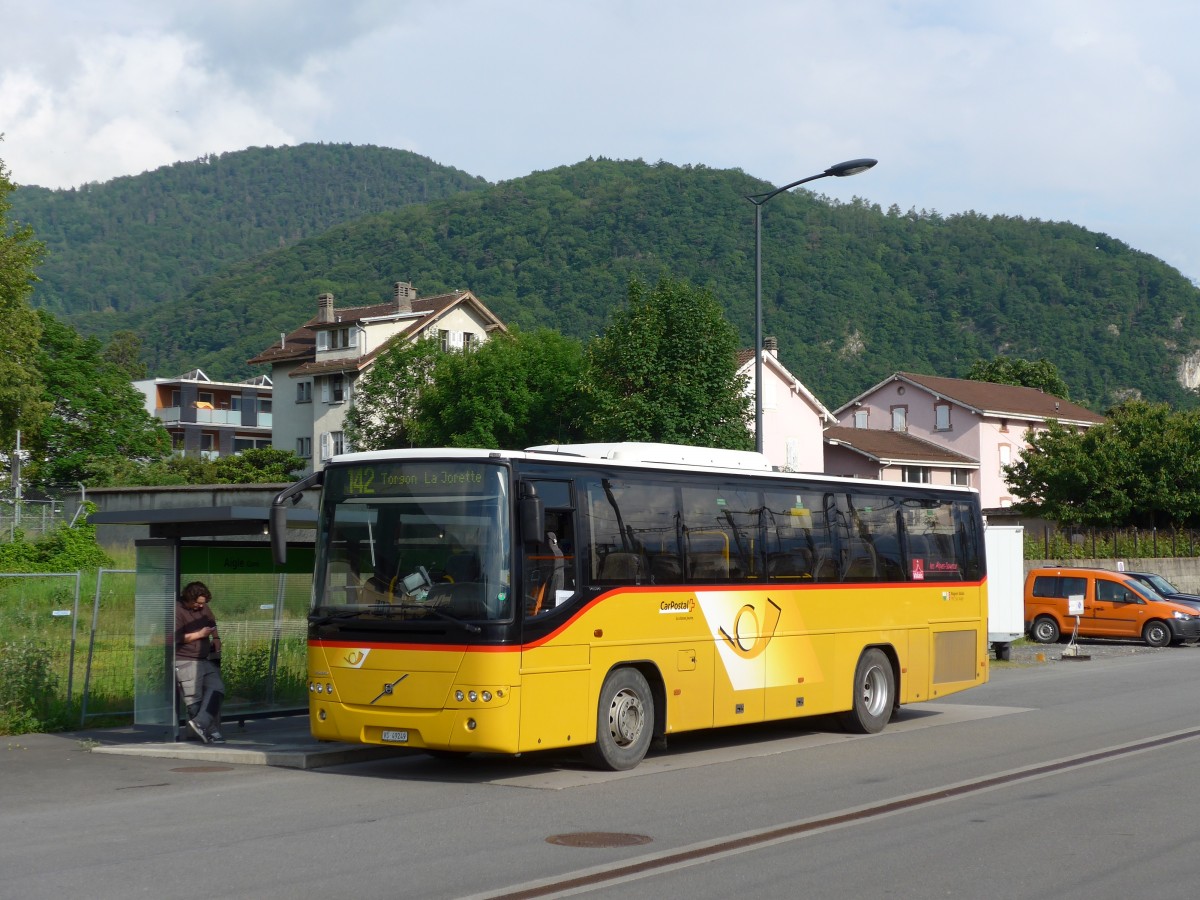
{"points": [[841, 170]]}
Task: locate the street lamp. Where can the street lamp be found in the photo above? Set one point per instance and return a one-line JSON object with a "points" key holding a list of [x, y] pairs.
{"points": [[841, 170]]}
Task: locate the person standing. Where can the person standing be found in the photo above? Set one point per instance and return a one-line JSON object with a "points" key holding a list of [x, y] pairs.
{"points": [[197, 646]]}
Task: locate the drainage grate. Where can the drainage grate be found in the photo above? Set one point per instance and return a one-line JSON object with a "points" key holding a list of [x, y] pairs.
{"points": [[598, 839]]}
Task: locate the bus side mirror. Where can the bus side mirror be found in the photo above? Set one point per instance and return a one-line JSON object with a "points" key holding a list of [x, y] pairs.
{"points": [[533, 518], [277, 524], [277, 517]]}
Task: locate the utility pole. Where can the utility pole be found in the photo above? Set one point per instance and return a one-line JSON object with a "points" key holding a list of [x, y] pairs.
{"points": [[16, 470]]}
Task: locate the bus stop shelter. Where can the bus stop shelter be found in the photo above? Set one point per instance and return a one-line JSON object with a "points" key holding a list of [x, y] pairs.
{"points": [[261, 608]]}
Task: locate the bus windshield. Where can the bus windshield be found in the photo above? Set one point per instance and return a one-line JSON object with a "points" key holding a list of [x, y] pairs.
{"points": [[414, 541]]}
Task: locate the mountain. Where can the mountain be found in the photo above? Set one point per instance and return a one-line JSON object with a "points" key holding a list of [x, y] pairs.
{"points": [[136, 242], [853, 292]]}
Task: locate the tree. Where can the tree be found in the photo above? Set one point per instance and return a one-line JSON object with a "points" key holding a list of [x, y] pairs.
{"points": [[1140, 467], [517, 390], [262, 465], [665, 369], [124, 350], [96, 413], [1042, 374], [385, 397], [21, 403]]}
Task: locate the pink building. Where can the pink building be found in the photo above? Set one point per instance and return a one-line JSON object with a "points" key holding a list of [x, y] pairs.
{"points": [[793, 419], [984, 422]]}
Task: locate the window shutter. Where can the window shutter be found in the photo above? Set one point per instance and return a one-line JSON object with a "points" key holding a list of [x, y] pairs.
{"points": [[322, 340], [354, 336], [325, 390], [456, 340], [324, 446]]}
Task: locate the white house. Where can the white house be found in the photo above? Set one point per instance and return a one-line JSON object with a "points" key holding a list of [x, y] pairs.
{"points": [[988, 423], [314, 368], [793, 419]]}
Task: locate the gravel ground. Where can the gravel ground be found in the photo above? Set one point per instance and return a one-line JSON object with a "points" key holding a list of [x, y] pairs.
{"points": [[1029, 653]]}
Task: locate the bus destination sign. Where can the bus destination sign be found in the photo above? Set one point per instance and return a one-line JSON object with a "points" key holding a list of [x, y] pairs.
{"points": [[384, 479]]}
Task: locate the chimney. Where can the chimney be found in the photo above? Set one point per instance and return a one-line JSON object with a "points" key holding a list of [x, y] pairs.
{"points": [[405, 294], [771, 345], [325, 307]]}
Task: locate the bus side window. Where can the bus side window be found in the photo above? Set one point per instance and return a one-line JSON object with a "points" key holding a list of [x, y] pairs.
{"points": [[721, 539], [631, 530]]}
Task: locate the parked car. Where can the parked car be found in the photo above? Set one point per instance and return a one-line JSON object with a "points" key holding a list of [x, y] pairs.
{"points": [[1106, 605], [1166, 590]]}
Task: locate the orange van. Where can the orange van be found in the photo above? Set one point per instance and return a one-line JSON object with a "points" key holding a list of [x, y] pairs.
{"points": [[1113, 606]]}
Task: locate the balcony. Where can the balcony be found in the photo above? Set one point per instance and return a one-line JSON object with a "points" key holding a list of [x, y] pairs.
{"points": [[171, 415]]}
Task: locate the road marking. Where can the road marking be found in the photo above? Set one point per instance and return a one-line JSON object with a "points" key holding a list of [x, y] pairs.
{"points": [[914, 717], [586, 880]]}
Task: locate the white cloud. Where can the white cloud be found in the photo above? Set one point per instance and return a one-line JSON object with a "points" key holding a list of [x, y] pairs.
{"points": [[1056, 109]]}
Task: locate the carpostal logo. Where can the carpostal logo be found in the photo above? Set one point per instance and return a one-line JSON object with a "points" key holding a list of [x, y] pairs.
{"points": [[676, 607]]}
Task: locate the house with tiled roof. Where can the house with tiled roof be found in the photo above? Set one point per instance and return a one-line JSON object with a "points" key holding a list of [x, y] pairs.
{"points": [[893, 456], [988, 423], [315, 367], [793, 418]]}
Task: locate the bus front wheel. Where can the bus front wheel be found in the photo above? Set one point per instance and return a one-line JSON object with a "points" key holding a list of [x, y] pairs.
{"points": [[874, 694], [624, 721]]}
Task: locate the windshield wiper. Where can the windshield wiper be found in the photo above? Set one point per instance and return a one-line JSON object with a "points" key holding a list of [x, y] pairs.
{"points": [[389, 610], [326, 618], [466, 626]]}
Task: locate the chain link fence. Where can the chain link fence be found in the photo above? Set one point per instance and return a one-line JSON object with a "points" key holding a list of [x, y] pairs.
{"points": [[33, 518], [39, 633]]}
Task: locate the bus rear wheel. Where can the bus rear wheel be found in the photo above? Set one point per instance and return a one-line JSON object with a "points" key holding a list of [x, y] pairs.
{"points": [[624, 721], [874, 694]]}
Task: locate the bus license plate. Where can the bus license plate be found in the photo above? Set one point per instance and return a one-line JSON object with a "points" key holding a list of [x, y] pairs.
{"points": [[396, 737]]}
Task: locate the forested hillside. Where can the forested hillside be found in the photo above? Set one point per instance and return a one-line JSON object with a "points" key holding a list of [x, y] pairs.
{"points": [[853, 292], [136, 242]]}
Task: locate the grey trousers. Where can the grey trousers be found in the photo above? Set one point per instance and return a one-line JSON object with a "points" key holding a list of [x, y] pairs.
{"points": [[203, 690]]}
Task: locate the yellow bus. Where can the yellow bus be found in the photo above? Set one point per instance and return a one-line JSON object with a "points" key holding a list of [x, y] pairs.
{"points": [[602, 596]]}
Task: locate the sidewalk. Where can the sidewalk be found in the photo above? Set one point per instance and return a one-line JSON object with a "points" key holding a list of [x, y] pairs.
{"points": [[281, 741]]}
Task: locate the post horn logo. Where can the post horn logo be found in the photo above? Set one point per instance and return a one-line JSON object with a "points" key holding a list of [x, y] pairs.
{"points": [[750, 637]]}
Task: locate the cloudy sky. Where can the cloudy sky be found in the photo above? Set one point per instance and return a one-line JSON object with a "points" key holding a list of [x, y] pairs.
{"points": [[1076, 110]]}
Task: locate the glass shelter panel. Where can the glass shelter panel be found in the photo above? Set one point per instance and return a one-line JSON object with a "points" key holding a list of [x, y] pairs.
{"points": [[153, 635]]}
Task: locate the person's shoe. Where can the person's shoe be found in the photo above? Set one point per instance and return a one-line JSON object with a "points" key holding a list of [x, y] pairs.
{"points": [[197, 731], [215, 737]]}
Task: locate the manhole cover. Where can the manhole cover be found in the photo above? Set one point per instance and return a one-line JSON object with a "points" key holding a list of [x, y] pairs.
{"points": [[598, 839], [203, 769]]}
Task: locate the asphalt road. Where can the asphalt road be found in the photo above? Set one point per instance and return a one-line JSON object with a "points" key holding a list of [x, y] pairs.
{"points": [[1064, 779]]}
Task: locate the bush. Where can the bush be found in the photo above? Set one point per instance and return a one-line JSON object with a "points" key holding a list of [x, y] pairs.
{"points": [[65, 548], [28, 688]]}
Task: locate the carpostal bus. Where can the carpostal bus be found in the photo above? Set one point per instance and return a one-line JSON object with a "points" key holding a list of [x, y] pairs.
{"points": [[600, 596]]}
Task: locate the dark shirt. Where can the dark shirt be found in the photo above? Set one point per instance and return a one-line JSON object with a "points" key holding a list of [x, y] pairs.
{"points": [[188, 621]]}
